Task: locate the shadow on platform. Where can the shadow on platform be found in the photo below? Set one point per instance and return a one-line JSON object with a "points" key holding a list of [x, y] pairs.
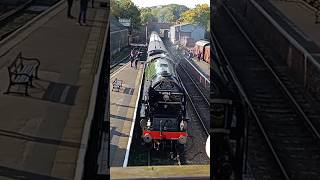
{"points": [[121, 105], [113, 132], [23, 175], [17, 135], [120, 117], [48, 91]]}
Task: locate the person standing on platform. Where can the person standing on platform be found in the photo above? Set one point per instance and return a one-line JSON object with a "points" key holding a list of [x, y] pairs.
{"points": [[70, 2], [83, 12], [132, 56], [137, 60]]}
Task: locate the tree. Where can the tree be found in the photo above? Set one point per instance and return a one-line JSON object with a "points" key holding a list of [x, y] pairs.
{"points": [[199, 15], [126, 9], [115, 8], [146, 15], [177, 10], [167, 13]]}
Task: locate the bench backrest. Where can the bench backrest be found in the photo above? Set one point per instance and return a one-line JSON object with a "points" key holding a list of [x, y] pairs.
{"points": [[16, 65]]}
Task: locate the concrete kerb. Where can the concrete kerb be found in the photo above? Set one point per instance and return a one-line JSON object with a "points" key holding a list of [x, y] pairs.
{"points": [[51, 12], [88, 121]]}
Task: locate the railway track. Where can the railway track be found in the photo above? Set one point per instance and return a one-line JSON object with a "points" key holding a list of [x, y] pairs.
{"points": [[194, 150], [163, 158], [199, 122], [199, 101], [199, 109], [198, 127], [13, 8], [116, 64], [16, 17], [283, 135]]}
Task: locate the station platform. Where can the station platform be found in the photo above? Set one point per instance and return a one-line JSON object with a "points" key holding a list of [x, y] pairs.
{"points": [[202, 66], [303, 17], [199, 172], [41, 134], [123, 107], [298, 21]]}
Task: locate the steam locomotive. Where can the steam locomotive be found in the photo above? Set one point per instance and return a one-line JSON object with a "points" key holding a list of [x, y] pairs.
{"points": [[163, 105]]}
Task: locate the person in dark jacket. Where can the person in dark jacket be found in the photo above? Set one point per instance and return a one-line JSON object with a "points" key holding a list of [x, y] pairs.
{"points": [[189, 55], [132, 56], [70, 2], [137, 59], [136, 62], [83, 12]]}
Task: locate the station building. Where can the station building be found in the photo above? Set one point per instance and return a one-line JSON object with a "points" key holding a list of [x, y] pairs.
{"points": [[119, 35], [186, 34], [161, 28]]}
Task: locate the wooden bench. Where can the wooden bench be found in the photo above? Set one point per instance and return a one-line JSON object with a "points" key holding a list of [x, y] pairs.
{"points": [[117, 84], [22, 71]]}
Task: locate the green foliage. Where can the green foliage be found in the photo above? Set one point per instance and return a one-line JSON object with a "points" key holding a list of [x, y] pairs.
{"points": [[198, 15], [125, 9], [172, 13], [146, 15], [168, 13]]}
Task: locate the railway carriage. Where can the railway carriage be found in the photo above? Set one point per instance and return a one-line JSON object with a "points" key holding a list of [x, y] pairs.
{"points": [[203, 47], [163, 107]]}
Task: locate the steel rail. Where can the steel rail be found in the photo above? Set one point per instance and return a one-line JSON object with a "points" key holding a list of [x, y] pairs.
{"points": [[10, 13], [243, 94], [207, 101], [190, 99], [284, 88]]}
